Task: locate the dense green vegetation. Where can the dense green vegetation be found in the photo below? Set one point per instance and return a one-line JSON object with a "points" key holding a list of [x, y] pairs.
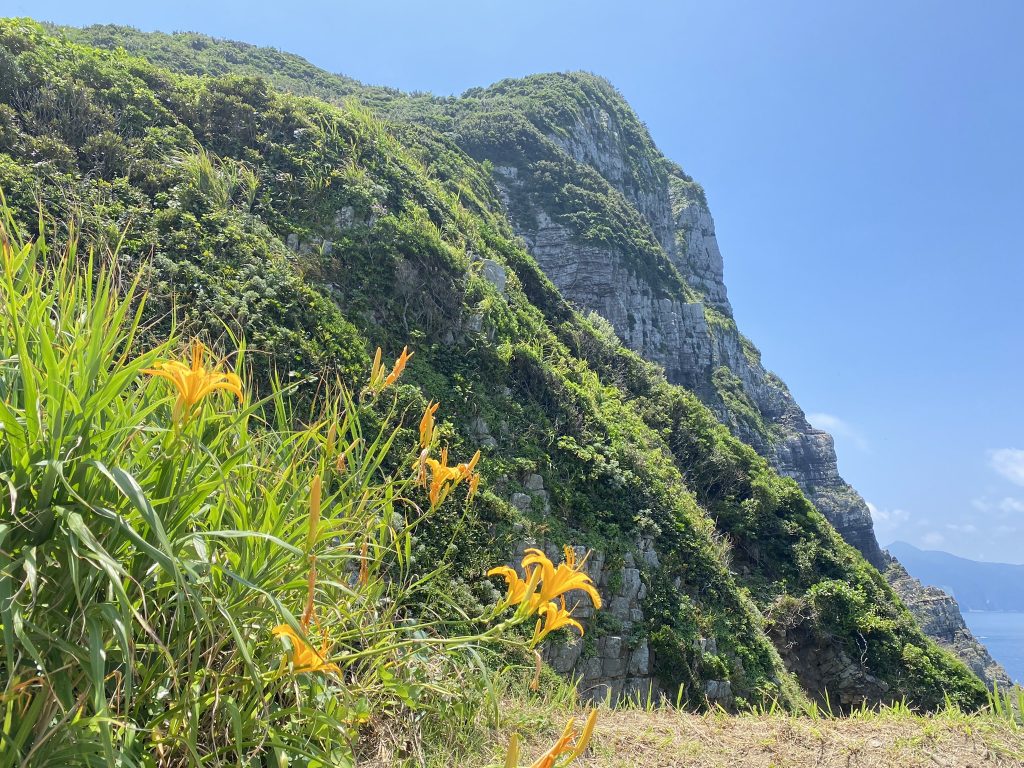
{"points": [[520, 124], [155, 558], [195, 54], [319, 230]]}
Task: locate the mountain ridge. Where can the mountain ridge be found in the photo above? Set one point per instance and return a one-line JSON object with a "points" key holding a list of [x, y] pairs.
{"points": [[976, 585]]}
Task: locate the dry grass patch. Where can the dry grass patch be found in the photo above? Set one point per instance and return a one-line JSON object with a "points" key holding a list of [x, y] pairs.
{"points": [[663, 738]]}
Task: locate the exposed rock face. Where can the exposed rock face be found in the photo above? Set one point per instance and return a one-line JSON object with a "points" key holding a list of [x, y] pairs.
{"points": [[620, 665], [671, 331], [825, 669], [696, 341], [696, 248], [615, 666], [691, 333], [940, 618], [596, 141]]}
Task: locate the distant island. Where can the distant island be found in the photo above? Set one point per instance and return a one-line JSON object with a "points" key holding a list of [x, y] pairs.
{"points": [[976, 586]]}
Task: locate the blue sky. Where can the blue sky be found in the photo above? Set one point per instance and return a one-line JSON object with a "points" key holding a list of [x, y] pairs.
{"points": [[863, 163]]}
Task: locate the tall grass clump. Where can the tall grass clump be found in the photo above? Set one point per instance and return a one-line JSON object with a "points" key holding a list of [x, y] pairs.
{"points": [[186, 580]]}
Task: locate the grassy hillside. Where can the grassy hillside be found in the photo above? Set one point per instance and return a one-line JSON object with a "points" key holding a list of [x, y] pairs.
{"points": [[319, 230]]}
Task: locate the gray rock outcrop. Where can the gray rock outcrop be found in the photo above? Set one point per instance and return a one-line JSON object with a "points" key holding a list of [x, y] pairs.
{"points": [[940, 618], [614, 666]]}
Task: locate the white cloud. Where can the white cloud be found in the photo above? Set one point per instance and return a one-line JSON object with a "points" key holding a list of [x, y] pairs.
{"points": [[1008, 462], [933, 538], [893, 524], [889, 518], [1010, 504], [1005, 507], [965, 528], [840, 428]]}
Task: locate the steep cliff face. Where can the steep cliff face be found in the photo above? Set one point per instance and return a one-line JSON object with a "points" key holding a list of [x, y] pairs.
{"points": [[690, 333], [688, 329], [782, 434]]}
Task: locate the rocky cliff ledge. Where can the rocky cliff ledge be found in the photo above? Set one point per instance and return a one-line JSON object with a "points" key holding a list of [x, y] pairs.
{"points": [[940, 618]]}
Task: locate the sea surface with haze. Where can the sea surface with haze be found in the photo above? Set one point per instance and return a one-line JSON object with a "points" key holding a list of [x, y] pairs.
{"points": [[1003, 634]]}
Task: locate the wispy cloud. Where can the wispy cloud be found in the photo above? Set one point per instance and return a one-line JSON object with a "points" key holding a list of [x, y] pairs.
{"points": [[893, 524], [964, 528], [840, 428], [1008, 462], [920, 530], [1010, 504], [891, 518], [1006, 506]]}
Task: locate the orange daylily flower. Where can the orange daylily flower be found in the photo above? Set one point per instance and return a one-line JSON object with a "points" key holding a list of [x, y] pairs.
{"points": [[427, 425], [465, 469], [194, 382], [555, 617], [379, 381], [563, 745], [304, 658], [567, 745], [517, 587], [544, 583], [443, 477], [584, 740], [399, 366], [565, 578]]}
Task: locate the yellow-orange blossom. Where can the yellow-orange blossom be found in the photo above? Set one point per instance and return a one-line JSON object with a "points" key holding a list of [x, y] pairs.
{"points": [[194, 382], [564, 746], [379, 379], [555, 582], [443, 478], [304, 657], [543, 585]]}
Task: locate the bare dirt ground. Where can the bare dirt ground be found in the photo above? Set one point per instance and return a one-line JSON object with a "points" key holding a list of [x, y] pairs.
{"points": [[667, 738]]}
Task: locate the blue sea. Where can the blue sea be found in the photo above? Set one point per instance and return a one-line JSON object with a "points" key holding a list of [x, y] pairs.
{"points": [[1003, 635]]}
